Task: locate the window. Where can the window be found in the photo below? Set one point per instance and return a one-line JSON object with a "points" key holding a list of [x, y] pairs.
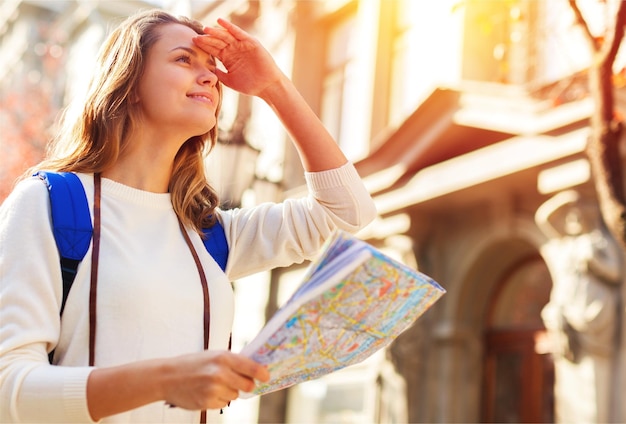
{"points": [[404, 61], [339, 87], [499, 41], [423, 52]]}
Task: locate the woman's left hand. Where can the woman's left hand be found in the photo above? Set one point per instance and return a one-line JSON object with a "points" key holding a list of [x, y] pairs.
{"points": [[250, 68]]}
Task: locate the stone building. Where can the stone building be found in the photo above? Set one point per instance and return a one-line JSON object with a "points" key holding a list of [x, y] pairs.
{"points": [[468, 121]]}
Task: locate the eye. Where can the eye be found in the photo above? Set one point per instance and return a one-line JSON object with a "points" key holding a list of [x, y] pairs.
{"points": [[185, 58]]}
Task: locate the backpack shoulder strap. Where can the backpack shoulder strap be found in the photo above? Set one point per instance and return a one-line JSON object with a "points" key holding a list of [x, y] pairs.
{"points": [[71, 222], [216, 244]]}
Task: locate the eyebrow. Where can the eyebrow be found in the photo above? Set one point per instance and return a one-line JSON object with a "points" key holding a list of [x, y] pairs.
{"points": [[187, 49]]}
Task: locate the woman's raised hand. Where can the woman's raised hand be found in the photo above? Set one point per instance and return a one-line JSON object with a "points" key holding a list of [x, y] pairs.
{"points": [[250, 68]]}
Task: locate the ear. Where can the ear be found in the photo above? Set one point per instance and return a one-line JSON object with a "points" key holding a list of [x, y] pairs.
{"points": [[134, 97]]}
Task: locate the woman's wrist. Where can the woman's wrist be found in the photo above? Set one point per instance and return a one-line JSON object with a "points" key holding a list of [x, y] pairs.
{"points": [[277, 91], [119, 389]]}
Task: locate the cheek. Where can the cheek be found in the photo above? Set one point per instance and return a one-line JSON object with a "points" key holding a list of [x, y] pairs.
{"points": [[143, 91], [155, 84]]}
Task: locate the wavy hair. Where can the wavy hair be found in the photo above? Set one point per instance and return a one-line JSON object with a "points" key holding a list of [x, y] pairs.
{"points": [[93, 140]]}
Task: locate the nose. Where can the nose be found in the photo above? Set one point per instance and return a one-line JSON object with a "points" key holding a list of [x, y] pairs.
{"points": [[208, 77]]}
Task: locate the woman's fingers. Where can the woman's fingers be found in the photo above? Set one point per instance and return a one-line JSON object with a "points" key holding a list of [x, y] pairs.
{"points": [[249, 368], [210, 44], [212, 379], [229, 34], [233, 29]]}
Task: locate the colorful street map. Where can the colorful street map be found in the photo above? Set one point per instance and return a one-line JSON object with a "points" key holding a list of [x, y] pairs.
{"points": [[353, 302]]}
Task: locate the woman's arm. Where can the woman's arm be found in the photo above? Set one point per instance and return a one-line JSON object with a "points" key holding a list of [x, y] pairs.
{"points": [[279, 235], [251, 70], [206, 380], [318, 150]]}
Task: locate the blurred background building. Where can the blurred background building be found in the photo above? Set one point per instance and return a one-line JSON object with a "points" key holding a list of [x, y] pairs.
{"points": [[464, 117]]}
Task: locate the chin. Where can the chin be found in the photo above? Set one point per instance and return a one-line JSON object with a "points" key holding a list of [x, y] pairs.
{"points": [[205, 127], [199, 130]]}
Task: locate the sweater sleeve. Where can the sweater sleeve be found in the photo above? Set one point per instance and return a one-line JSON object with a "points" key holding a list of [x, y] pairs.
{"points": [[273, 235], [32, 390]]}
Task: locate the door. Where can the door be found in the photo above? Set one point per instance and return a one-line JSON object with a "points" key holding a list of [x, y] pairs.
{"points": [[518, 374]]}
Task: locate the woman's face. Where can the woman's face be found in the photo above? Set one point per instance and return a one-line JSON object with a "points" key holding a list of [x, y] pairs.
{"points": [[178, 90]]}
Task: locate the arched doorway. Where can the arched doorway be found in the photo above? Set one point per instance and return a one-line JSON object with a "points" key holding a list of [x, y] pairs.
{"points": [[518, 379]]}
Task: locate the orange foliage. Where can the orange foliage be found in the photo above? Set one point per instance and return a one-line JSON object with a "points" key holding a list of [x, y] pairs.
{"points": [[25, 117], [28, 107]]}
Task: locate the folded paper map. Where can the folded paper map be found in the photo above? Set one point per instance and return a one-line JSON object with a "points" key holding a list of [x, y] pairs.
{"points": [[353, 301]]}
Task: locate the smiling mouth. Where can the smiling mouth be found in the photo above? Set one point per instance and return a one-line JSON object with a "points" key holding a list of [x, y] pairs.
{"points": [[201, 98]]}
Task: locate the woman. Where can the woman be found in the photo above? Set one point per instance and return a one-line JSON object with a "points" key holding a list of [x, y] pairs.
{"points": [[150, 113]]}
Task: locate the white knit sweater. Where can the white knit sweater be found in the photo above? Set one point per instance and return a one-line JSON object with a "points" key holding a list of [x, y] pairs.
{"points": [[149, 292]]}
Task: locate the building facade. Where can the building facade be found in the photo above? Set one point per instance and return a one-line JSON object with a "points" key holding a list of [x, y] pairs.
{"points": [[468, 121]]}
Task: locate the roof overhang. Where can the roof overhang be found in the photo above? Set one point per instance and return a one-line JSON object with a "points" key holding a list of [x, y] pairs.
{"points": [[516, 162], [456, 144]]}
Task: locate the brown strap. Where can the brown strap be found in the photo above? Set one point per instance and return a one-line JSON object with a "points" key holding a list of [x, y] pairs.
{"points": [[205, 292], [203, 281], [95, 253]]}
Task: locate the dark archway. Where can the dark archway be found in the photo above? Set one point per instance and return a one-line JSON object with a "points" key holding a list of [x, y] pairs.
{"points": [[518, 377]]}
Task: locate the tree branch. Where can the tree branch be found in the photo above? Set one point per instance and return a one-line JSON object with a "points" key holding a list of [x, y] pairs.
{"points": [[580, 20], [614, 36]]}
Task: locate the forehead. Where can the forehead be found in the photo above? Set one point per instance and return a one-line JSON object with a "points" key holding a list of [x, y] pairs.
{"points": [[174, 36], [174, 31]]}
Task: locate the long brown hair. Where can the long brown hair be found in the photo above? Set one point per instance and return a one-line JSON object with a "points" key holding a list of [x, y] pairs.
{"points": [[92, 141]]}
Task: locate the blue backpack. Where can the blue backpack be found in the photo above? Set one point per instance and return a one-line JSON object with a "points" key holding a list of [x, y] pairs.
{"points": [[72, 228]]}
